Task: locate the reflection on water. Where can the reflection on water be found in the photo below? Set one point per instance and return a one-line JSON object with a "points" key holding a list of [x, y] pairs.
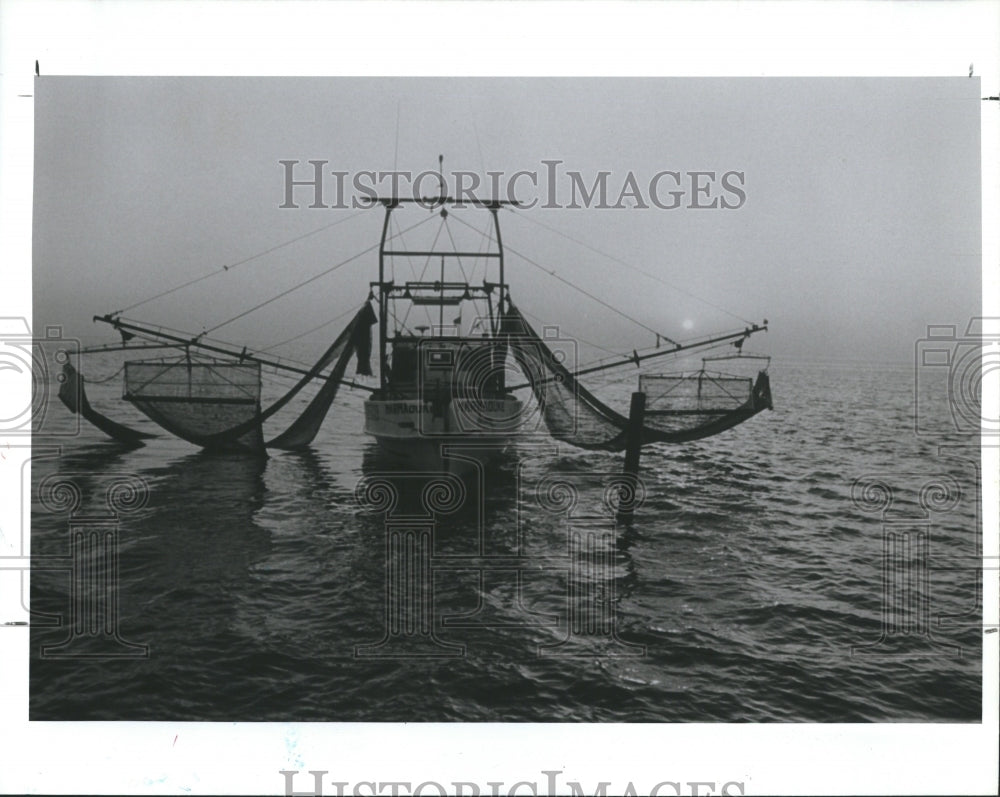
{"points": [[201, 523], [328, 585]]}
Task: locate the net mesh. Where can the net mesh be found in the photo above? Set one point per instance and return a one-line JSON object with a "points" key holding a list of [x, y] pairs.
{"points": [[700, 392], [73, 394], [217, 404], [680, 408], [570, 412], [355, 339], [212, 404], [236, 383]]}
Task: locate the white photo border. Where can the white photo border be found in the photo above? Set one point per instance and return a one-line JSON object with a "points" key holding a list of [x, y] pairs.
{"points": [[547, 38]]}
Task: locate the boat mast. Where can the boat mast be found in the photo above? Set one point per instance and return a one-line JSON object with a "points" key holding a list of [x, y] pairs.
{"points": [[383, 298], [444, 215], [388, 290], [441, 302], [503, 285]]}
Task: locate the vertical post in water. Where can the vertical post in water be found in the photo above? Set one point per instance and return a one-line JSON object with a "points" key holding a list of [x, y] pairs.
{"points": [[633, 445]]}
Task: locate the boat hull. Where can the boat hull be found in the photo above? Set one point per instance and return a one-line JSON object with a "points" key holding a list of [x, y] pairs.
{"points": [[416, 434]]}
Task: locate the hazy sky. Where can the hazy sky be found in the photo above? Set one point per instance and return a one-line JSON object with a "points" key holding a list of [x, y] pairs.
{"points": [[860, 225]]}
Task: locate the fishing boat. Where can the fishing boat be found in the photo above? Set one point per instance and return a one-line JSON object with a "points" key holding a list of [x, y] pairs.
{"points": [[472, 379], [438, 387]]}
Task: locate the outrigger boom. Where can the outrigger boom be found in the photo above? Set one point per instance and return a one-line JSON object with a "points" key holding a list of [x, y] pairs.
{"points": [[178, 341], [240, 354], [636, 358]]}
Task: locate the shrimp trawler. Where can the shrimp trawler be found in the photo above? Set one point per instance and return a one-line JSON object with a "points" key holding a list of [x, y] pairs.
{"points": [[473, 377], [437, 386]]}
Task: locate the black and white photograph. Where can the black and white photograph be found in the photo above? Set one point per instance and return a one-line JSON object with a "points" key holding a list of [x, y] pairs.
{"points": [[450, 403]]}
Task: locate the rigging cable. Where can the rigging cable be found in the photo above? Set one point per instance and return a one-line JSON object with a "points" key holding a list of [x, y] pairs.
{"points": [[202, 336], [308, 281], [475, 261], [543, 322], [230, 267], [94, 381], [454, 246], [394, 225], [423, 271], [577, 288], [310, 331], [485, 241], [688, 345], [638, 270]]}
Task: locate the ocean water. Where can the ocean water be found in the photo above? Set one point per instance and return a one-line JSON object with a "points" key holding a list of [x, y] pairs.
{"points": [[817, 563]]}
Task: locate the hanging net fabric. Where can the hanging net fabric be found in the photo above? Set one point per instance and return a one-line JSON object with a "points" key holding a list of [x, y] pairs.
{"points": [[570, 412], [216, 404], [73, 394], [574, 415], [355, 339]]}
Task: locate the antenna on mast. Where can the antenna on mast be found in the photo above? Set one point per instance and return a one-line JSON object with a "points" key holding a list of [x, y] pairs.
{"points": [[441, 175]]}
